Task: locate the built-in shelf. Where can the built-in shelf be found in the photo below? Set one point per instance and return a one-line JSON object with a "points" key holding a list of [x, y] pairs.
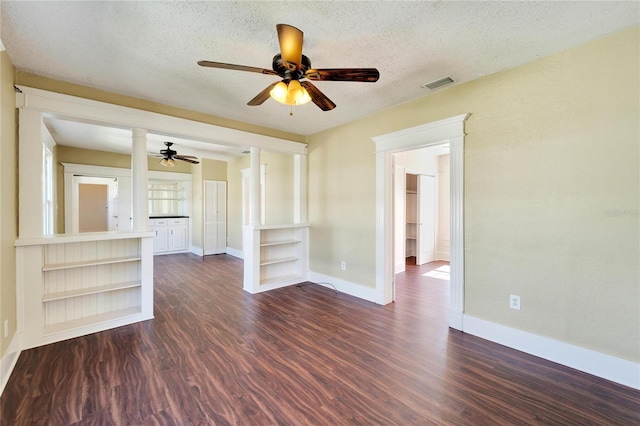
{"points": [[411, 224], [278, 256], [282, 279], [90, 290], [277, 243], [91, 320], [82, 264], [74, 285], [280, 260]]}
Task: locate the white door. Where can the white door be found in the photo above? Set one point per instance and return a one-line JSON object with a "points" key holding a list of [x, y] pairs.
{"points": [[426, 243], [215, 217]]}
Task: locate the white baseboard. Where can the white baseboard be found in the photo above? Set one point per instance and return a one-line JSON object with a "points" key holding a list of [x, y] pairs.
{"points": [[196, 250], [353, 289], [8, 361], [443, 255], [235, 253], [598, 364], [456, 319]]}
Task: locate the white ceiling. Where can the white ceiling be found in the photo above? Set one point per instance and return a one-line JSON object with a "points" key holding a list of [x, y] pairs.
{"points": [[149, 50]]}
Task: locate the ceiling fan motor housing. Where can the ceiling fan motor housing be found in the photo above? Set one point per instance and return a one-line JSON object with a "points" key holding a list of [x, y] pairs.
{"points": [[286, 72]]}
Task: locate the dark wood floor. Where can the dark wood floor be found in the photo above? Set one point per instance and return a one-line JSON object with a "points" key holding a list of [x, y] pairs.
{"points": [[297, 356]]}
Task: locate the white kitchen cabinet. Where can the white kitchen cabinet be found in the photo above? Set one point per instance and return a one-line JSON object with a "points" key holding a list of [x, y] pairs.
{"points": [[172, 235]]}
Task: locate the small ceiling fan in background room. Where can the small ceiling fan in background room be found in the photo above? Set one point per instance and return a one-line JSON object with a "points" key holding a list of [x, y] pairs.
{"points": [[292, 66], [169, 156]]}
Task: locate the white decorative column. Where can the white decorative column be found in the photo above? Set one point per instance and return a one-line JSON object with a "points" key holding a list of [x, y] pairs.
{"points": [[139, 181], [254, 205], [299, 188], [30, 171]]}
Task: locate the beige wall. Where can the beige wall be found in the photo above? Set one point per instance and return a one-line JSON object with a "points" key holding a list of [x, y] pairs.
{"points": [[8, 201], [551, 151], [278, 193]]}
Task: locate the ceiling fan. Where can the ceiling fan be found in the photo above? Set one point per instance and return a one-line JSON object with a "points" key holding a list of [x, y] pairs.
{"points": [[293, 67], [169, 156]]}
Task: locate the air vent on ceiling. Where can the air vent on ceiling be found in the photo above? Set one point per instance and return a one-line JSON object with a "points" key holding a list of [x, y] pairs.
{"points": [[438, 83]]}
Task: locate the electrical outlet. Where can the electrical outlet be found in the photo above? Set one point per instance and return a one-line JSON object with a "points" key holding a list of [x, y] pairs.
{"points": [[514, 302], [6, 328], [343, 265]]}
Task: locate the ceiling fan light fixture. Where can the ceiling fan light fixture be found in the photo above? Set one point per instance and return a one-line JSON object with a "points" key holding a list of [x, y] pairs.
{"points": [[291, 93], [164, 162], [170, 162], [279, 92]]}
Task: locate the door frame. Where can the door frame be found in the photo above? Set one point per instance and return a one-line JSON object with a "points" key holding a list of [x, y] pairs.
{"points": [[449, 130]]}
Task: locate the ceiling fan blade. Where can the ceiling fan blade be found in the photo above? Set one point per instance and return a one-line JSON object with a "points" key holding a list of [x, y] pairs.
{"points": [[184, 158], [262, 96], [290, 39], [318, 98], [369, 75], [235, 67]]}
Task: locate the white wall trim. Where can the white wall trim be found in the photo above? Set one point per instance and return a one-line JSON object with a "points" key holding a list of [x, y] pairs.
{"points": [[598, 364], [90, 111], [8, 361], [235, 253], [196, 250], [347, 287]]}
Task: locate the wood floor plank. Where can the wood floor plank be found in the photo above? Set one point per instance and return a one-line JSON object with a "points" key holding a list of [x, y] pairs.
{"points": [[300, 355]]}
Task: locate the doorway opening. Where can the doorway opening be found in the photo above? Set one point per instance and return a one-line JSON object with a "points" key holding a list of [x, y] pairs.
{"points": [[421, 231], [449, 130], [94, 204]]}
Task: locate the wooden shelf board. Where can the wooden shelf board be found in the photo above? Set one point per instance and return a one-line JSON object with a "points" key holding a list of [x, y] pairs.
{"points": [[58, 266], [277, 243], [92, 320], [284, 278], [280, 260], [93, 290]]}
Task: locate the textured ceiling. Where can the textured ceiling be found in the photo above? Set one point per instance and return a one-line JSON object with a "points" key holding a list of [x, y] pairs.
{"points": [[149, 50]]}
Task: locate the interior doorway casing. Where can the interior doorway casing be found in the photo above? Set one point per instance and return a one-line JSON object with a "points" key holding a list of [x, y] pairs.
{"points": [[449, 130]]}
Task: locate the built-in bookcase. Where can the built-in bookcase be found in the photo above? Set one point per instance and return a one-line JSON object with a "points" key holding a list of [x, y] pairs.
{"points": [[78, 284], [277, 256]]}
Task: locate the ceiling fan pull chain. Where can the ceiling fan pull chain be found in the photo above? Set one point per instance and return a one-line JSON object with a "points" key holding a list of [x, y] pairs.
{"points": [[291, 113]]}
